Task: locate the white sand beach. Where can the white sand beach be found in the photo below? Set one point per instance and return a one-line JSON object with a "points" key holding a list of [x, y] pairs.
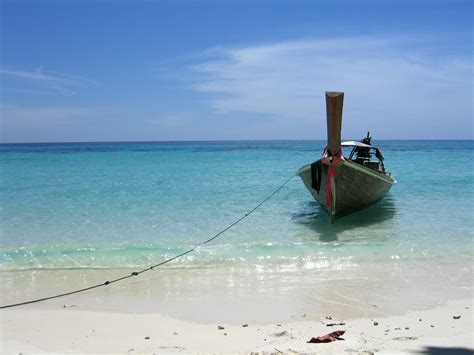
{"points": [[34, 329]]}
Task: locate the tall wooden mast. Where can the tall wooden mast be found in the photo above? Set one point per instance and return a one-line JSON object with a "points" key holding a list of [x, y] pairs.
{"points": [[334, 101]]}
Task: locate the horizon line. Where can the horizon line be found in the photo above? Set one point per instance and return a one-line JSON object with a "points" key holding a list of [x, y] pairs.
{"points": [[230, 140]]}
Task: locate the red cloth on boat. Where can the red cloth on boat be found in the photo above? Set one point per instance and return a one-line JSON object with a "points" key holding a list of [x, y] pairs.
{"points": [[336, 159]]}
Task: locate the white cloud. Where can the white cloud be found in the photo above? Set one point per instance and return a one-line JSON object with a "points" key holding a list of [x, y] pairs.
{"points": [[392, 84], [38, 82]]}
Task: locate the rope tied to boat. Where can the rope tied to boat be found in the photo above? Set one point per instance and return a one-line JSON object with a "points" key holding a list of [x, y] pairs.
{"points": [[136, 273], [331, 162]]}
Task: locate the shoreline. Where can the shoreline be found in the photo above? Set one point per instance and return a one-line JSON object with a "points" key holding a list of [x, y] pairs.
{"points": [[256, 294], [72, 329]]}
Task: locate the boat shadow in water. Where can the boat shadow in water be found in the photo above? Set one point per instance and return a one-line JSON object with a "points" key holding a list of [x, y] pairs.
{"points": [[315, 218]]}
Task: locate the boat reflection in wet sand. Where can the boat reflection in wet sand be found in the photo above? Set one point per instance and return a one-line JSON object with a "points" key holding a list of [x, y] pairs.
{"points": [[343, 185]]}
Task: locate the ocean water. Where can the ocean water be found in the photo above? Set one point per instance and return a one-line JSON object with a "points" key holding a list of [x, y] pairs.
{"points": [[94, 206]]}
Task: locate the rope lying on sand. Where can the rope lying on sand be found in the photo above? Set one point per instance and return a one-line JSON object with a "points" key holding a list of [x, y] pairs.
{"points": [[136, 273]]}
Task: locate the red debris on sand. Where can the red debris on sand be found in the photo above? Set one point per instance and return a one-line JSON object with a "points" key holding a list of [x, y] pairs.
{"points": [[328, 337]]}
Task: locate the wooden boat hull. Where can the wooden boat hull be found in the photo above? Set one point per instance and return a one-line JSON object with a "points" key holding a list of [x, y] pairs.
{"points": [[354, 187]]}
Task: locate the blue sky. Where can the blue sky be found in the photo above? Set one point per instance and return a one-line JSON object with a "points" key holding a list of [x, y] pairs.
{"points": [[219, 70]]}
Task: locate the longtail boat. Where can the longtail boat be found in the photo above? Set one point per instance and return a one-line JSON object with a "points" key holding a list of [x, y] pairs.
{"points": [[343, 185]]}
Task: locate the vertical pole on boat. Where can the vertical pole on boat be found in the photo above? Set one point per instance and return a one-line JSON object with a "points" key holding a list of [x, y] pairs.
{"points": [[333, 154], [334, 101]]}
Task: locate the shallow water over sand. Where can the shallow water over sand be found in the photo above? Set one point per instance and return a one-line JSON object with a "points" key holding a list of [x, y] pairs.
{"points": [[261, 295]]}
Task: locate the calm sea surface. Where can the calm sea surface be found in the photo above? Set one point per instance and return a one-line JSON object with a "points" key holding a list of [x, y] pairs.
{"points": [[73, 215], [108, 205]]}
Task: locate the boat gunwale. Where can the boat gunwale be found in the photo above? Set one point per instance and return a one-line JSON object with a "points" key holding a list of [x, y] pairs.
{"points": [[353, 165]]}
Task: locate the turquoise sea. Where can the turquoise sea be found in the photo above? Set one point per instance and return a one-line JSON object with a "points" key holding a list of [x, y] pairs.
{"points": [[82, 206]]}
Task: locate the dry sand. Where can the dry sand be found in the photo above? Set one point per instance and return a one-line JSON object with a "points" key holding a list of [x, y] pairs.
{"points": [[71, 329]]}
